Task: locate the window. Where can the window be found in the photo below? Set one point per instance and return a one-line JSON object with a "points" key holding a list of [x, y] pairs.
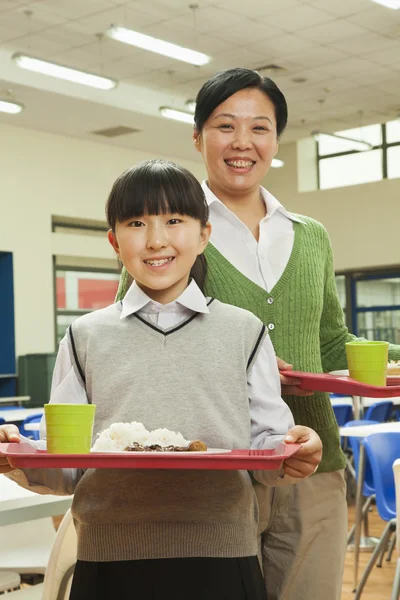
{"points": [[79, 292], [340, 166]]}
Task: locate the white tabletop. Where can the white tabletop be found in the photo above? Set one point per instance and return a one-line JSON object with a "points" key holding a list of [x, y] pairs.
{"points": [[34, 426], [18, 504], [364, 430], [365, 401], [10, 399], [19, 414]]}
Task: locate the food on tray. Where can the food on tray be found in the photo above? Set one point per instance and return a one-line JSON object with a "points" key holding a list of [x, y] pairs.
{"points": [[393, 367], [134, 437]]}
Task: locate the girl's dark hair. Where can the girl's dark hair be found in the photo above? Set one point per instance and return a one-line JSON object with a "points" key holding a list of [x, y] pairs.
{"points": [[156, 187], [226, 83]]}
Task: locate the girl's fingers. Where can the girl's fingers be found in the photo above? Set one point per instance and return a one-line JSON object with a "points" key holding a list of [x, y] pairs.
{"points": [[9, 433]]}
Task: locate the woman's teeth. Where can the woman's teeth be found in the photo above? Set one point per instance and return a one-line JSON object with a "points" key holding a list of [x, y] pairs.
{"points": [[240, 164], [158, 263]]}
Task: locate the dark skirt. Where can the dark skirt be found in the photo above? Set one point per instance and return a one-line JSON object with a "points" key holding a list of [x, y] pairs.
{"points": [[177, 578]]}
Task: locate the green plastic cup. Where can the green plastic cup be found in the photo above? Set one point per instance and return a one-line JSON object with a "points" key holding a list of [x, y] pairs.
{"points": [[367, 361], [69, 428]]}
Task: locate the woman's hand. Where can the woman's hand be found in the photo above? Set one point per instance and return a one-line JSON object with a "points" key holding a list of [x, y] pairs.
{"points": [[306, 460], [8, 433], [290, 385]]}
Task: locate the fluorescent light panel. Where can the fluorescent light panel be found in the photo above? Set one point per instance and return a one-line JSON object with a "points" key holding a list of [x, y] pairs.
{"points": [[12, 108], [394, 4], [176, 115], [54, 70], [352, 144], [277, 163], [146, 42]]}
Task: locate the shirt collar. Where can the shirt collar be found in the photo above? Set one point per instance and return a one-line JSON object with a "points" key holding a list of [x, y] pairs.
{"points": [[136, 300], [272, 204]]}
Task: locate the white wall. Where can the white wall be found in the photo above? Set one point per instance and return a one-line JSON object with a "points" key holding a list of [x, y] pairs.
{"points": [[363, 221], [43, 175]]}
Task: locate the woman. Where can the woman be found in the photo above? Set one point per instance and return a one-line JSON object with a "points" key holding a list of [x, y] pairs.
{"points": [[279, 266]]}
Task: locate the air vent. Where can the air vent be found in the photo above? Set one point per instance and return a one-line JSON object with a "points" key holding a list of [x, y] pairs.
{"points": [[111, 132], [271, 68]]}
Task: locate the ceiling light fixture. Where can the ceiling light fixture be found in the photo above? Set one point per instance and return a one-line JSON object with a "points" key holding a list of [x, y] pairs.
{"points": [[394, 4], [352, 144], [146, 42], [12, 108], [61, 72], [177, 115], [277, 163]]}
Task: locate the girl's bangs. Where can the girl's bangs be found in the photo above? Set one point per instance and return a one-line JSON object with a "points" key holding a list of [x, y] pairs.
{"points": [[156, 188]]}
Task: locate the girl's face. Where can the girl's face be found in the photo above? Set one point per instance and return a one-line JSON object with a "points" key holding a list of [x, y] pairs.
{"points": [[238, 142], [158, 251]]}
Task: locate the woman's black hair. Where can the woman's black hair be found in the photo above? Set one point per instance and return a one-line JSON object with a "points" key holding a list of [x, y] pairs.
{"points": [[156, 187], [226, 83]]}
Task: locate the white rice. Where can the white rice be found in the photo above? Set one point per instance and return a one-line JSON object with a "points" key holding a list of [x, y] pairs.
{"points": [[120, 435]]}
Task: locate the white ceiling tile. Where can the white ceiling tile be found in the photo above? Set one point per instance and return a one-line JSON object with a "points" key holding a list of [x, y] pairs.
{"points": [[318, 57], [383, 57], [78, 59], [257, 8], [131, 19], [348, 66], [167, 9], [376, 18], [285, 45], [365, 43], [37, 45], [391, 86], [333, 31], [238, 57], [298, 17], [382, 74], [73, 9], [340, 8], [208, 19], [249, 31]]}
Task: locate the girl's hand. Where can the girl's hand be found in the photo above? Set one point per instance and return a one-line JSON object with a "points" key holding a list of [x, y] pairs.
{"points": [[8, 433], [290, 385], [305, 462]]}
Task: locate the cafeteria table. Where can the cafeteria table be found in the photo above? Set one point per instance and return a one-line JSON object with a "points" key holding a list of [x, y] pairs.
{"points": [[18, 414], [18, 504]]}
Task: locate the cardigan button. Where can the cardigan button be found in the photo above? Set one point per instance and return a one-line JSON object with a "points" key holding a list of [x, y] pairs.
{"points": [[271, 326], [270, 300]]}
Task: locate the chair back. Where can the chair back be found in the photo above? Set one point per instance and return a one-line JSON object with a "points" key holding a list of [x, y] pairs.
{"points": [[33, 435], [369, 488], [382, 449], [379, 411], [2, 421], [58, 577], [396, 472], [343, 413]]}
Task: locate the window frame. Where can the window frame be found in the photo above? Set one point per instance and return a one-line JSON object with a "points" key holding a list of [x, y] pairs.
{"points": [[384, 146]]}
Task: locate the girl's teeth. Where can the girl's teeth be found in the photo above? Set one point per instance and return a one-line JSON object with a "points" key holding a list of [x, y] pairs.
{"points": [[241, 164], [158, 263]]}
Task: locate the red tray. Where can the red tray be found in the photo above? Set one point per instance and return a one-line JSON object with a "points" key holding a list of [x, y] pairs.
{"points": [[24, 455], [340, 384]]}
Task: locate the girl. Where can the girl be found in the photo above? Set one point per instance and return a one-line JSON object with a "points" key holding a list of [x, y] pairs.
{"points": [[169, 357]]}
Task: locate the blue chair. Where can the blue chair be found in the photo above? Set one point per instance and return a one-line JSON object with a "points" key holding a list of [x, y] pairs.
{"points": [[2, 421], [343, 413], [33, 435], [379, 411], [382, 449]]}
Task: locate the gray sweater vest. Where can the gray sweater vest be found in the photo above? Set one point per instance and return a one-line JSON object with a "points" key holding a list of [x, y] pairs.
{"points": [[191, 378]]}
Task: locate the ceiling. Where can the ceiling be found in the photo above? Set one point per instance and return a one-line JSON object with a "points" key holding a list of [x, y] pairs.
{"points": [[346, 52]]}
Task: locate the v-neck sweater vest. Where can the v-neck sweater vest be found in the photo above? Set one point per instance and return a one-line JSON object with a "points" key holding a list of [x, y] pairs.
{"points": [[190, 378]]}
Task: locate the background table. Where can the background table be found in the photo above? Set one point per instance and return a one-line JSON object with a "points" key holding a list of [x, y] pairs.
{"points": [[18, 504], [13, 415]]}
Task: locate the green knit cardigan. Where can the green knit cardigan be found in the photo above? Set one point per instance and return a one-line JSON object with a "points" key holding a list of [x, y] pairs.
{"points": [[304, 319]]}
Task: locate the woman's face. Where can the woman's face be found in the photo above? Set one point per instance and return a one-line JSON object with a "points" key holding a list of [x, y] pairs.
{"points": [[238, 142]]}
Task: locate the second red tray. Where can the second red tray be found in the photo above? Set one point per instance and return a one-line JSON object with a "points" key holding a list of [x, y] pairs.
{"points": [[24, 455], [340, 384]]}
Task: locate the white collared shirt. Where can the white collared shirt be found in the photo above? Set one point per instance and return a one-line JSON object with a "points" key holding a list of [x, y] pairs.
{"points": [[262, 261], [270, 415]]}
